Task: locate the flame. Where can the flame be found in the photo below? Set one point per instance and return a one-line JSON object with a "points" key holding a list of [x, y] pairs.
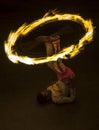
{"points": [[66, 53]]}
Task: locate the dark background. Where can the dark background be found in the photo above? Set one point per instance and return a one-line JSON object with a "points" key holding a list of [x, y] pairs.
{"points": [[20, 83]]}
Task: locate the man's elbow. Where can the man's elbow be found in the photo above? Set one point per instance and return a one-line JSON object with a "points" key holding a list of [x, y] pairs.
{"points": [[66, 100], [72, 99]]}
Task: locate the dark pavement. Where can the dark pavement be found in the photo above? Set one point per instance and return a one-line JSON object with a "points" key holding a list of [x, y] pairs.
{"points": [[20, 83]]}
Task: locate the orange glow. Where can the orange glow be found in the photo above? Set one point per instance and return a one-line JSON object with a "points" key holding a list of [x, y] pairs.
{"points": [[72, 50]]}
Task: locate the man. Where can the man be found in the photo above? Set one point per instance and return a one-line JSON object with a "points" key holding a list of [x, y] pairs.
{"points": [[63, 90]]}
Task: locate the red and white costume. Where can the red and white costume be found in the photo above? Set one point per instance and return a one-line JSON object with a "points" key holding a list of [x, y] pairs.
{"points": [[62, 92]]}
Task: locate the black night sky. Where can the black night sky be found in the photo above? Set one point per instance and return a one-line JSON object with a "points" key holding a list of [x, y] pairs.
{"points": [[20, 83]]}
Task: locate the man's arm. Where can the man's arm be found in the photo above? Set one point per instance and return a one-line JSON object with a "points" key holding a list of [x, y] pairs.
{"points": [[63, 99]]}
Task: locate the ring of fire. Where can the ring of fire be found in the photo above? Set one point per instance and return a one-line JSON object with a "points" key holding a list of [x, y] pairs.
{"points": [[66, 53]]}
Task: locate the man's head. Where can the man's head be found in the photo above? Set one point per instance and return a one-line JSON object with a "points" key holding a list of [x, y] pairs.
{"points": [[44, 96]]}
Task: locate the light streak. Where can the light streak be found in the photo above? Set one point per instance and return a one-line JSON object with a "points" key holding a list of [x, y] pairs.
{"points": [[66, 53]]}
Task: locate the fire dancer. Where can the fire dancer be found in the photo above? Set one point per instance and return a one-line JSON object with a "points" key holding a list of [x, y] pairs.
{"points": [[63, 90]]}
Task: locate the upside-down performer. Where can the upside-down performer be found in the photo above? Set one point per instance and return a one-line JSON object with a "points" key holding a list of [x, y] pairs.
{"points": [[63, 91]]}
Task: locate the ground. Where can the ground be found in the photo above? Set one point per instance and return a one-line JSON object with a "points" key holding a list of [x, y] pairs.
{"points": [[20, 83]]}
